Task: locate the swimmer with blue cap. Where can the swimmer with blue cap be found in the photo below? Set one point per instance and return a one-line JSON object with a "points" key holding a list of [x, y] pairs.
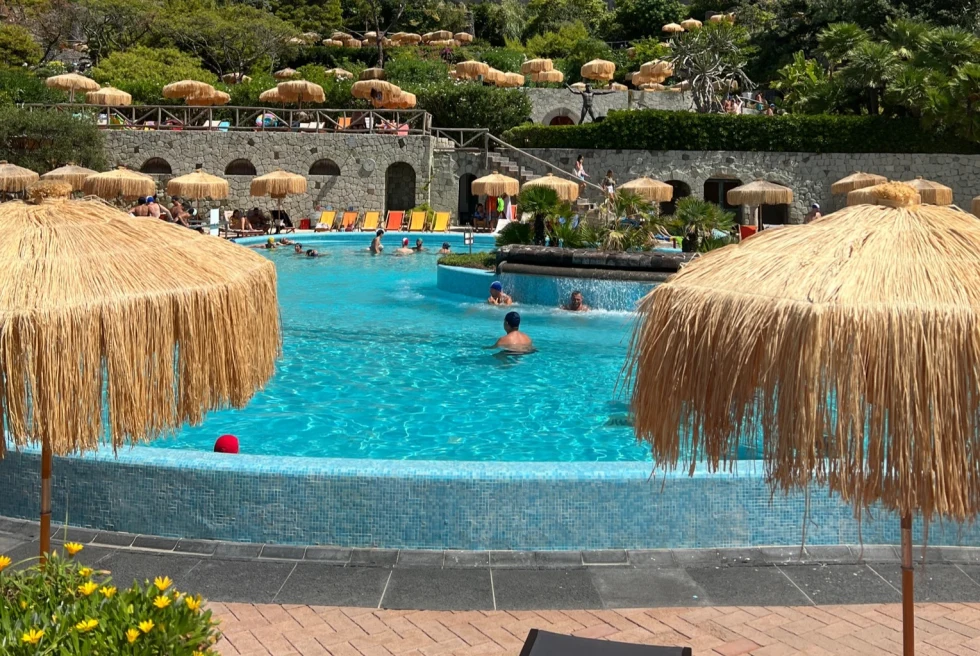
{"points": [[497, 295], [514, 340]]}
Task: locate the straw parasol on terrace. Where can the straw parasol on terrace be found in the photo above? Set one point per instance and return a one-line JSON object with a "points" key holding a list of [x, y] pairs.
{"points": [[975, 207], [849, 345], [209, 100], [691, 24], [495, 184], [341, 36], [109, 96], [649, 189], [278, 185], [492, 76], [15, 179], [441, 35], [73, 175], [119, 183], [566, 189], [760, 192], [931, 192], [299, 90], [533, 66], [463, 38], [198, 186], [187, 88], [616, 86], [658, 69], [71, 82], [384, 91], [856, 180], [510, 80], [410, 39], [672, 28], [285, 74], [471, 70], [338, 73], [372, 74], [333, 43], [599, 69], [116, 328], [866, 195], [271, 96], [403, 100], [235, 78], [548, 77]]}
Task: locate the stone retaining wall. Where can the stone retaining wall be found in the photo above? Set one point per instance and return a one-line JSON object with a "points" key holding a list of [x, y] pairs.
{"points": [[547, 104]]}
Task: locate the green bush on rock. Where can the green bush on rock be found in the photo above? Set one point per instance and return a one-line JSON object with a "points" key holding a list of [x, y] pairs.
{"points": [[485, 261], [43, 140]]}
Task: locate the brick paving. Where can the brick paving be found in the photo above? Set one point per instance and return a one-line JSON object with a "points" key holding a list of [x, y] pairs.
{"points": [[853, 630]]}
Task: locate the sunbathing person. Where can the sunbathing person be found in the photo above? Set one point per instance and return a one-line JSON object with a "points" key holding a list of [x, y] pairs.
{"points": [[404, 250], [376, 246], [445, 249], [497, 295], [514, 340], [576, 303]]}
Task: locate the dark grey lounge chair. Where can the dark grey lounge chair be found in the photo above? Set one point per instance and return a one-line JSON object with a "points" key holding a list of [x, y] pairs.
{"points": [[543, 643]]}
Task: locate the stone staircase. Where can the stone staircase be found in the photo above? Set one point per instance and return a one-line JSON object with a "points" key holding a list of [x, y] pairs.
{"points": [[502, 163]]}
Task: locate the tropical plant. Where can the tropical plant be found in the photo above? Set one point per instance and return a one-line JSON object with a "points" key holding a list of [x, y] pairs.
{"points": [[515, 233], [635, 19], [906, 36], [838, 40], [484, 261], [473, 105], [543, 203], [562, 232], [310, 15], [713, 60], [499, 22], [871, 66], [697, 220], [115, 25], [18, 47], [806, 88]]}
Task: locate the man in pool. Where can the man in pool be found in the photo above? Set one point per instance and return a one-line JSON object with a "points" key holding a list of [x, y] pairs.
{"points": [[312, 253], [376, 246], [445, 249], [404, 250], [270, 244], [576, 303], [514, 340], [418, 246], [497, 295], [298, 248]]}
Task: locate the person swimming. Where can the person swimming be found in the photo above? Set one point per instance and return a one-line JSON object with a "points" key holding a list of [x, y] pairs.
{"points": [[514, 340], [298, 248], [404, 250], [376, 245], [418, 246], [576, 303], [497, 295], [270, 244], [445, 250], [312, 253]]}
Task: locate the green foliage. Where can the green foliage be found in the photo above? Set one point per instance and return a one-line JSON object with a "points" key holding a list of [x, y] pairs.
{"points": [[549, 15], [584, 51], [515, 233], [637, 19], [561, 233], [21, 86], [143, 71], [406, 67], [484, 261], [18, 47], [44, 140], [473, 106], [543, 203], [507, 59], [115, 25], [557, 44], [697, 219], [658, 130], [311, 15], [712, 59], [499, 22]]}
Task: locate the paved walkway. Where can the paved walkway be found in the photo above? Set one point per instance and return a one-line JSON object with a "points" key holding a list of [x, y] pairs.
{"points": [[859, 630]]}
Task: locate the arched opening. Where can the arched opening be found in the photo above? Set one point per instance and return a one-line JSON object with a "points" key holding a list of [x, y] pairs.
{"points": [[400, 187], [467, 201], [240, 167], [156, 166], [562, 120], [324, 167], [716, 191], [774, 214], [560, 116], [681, 190]]}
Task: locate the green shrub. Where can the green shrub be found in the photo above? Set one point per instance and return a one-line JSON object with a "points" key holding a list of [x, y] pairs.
{"points": [[473, 106], [515, 232], [20, 86], [43, 140], [485, 261], [65, 608], [406, 67], [143, 72], [662, 130], [18, 47]]}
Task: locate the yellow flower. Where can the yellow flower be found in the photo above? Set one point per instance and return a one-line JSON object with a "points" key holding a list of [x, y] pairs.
{"points": [[132, 635], [197, 653], [73, 548], [5, 562], [87, 625], [161, 602], [32, 637], [146, 626], [23, 605], [85, 571], [88, 588], [107, 591], [162, 583], [194, 603]]}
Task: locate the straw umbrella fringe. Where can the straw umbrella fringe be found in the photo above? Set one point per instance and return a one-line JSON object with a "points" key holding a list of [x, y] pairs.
{"points": [[649, 189], [537, 66], [759, 192], [120, 182], [15, 179], [278, 185], [672, 28], [495, 184], [300, 90], [867, 195], [932, 193], [198, 186], [470, 70], [73, 175], [566, 189], [598, 69], [186, 88], [108, 96], [71, 82], [856, 180]]}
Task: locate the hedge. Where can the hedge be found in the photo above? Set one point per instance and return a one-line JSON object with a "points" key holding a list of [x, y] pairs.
{"points": [[484, 261], [663, 130], [43, 140]]}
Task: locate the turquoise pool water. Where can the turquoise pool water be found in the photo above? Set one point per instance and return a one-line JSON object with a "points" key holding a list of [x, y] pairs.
{"points": [[378, 363]]}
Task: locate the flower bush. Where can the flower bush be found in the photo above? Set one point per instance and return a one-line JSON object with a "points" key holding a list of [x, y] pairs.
{"points": [[65, 608]]}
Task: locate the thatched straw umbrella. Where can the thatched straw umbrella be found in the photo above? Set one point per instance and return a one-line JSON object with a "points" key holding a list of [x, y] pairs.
{"points": [[198, 186], [850, 345], [117, 328], [672, 28], [616, 86], [856, 180], [867, 195], [333, 43], [73, 175], [341, 36], [403, 100], [338, 73], [71, 82], [109, 96], [533, 66], [566, 189], [760, 192], [657, 68], [382, 91], [285, 74], [463, 38], [410, 39], [492, 75], [209, 100], [299, 90], [510, 80], [649, 189], [441, 35], [975, 207], [119, 183], [15, 179], [471, 70], [278, 185], [187, 88], [691, 24], [495, 184], [235, 78], [931, 192], [548, 77], [372, 74], [598, 69]]}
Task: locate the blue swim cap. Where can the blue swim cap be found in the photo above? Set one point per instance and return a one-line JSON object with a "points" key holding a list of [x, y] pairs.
{"points": [[513, 320], [496, 285]]}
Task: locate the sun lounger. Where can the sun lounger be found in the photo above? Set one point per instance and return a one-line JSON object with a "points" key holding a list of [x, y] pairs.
{"points": [[442, 222], [371, 220], [417, 222], [394, 221], [325, 222], [350, 218], [545, 643]]}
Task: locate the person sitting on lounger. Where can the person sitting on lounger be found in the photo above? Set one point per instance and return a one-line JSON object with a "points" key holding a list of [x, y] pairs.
{"points": [[404, 250], [575, 303], [418, 246], [514, 340], [237, 221], [445, 248], [497, 295], [376, 246]]}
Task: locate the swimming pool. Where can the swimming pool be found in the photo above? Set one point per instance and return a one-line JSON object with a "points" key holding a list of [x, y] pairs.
{"points": [[379, 363]]}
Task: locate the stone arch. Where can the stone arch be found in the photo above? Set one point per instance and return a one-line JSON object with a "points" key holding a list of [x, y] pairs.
{"points": [[156, 166], [716, 191], [324, 166], [399, 186], [681, 190], [560, 116], [240, 167], [467, 200]]}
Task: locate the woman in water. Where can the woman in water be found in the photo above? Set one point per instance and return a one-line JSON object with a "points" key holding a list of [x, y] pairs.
{"points": [[376, 247]]}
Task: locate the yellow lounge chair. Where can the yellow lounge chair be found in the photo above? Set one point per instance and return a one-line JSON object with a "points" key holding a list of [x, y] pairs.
{"points": [[417, 223], [442, 222], [325, 223], [371, 220]]}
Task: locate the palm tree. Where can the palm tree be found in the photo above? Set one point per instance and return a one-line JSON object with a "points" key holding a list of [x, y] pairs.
{"points": [[909, 88], [906, 36], [966, 90], [697, 219], [946, 48], [712, 59], [871, 66], [544, 204], [837, 40]]}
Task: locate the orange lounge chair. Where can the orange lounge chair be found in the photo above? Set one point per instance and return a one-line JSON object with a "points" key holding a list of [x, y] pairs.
{"points": [[417, 222], [350, 218], [325, 222], [371, 220], [395, 220], [441, 223]]}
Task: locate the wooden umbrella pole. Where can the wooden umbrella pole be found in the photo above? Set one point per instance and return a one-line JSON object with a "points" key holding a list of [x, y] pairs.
{"points": [[45, 501], [908, 597]]}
